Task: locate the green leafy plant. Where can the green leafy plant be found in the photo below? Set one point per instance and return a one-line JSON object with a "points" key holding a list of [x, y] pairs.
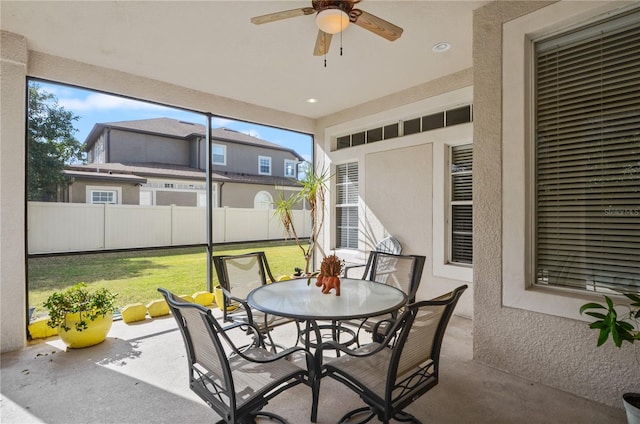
{"points": [[622, 328], [78, 299], [313, 188]]}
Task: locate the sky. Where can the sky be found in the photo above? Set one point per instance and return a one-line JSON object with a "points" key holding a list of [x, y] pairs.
{"points": [[93, 107]]}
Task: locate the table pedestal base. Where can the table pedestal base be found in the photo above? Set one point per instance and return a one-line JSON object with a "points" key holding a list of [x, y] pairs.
{"points": [[314, 332]]}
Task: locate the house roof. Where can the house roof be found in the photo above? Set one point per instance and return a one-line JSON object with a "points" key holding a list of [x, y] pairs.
{"points": [[175, 128], [131, 171], [105, 175]]}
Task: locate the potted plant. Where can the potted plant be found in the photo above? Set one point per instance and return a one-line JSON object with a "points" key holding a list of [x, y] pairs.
{"points": [[83, 318], [621, 328], [312, 193], [329, 276]]}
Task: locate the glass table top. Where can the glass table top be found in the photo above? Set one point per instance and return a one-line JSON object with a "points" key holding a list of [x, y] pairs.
{"points": [[296, 299]]}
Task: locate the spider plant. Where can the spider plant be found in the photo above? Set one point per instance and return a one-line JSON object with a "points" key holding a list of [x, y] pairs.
{"points": [[313, 188]]}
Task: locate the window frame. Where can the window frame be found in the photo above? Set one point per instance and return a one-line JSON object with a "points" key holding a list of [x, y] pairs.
{"points": [[263, 200], [517, 171], [295, 168], [260, 159], [451, 203], [338, 206], [598, 180], [442, 265], [224, 154], [107, 189]]}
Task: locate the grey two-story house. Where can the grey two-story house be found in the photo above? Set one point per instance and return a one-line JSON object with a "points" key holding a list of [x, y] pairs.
{"points": [[162, 161]]}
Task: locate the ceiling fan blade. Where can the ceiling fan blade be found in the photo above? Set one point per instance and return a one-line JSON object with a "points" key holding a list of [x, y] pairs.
{"points": [[285, 14], [378, 26], [323, 42]]}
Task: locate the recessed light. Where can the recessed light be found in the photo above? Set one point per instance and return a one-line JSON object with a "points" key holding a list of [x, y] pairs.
{"points": [[441, 47], [312, 100]]}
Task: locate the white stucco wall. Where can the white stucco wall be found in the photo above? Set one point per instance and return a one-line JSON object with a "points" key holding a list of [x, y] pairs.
{"points": [[13, 66], [396, 176], [543, 347]]}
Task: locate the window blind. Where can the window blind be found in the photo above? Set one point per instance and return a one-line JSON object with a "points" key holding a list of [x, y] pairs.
{"points": [[461, 204], [587, 148], [347, 205]]}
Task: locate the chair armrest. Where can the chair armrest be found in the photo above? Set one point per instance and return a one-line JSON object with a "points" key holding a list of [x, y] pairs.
{"points": [[379, 334], [250, 327], [243, 302], [361, 352]]}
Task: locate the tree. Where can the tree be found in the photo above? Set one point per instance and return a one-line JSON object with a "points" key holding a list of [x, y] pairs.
{"points": [[50, 144]]}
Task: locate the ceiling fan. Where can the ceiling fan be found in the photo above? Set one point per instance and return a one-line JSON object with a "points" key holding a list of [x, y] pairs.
{"points": [[332, 17]]}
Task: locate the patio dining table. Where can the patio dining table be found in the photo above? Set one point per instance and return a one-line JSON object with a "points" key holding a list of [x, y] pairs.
{"points": [[298, 299]]}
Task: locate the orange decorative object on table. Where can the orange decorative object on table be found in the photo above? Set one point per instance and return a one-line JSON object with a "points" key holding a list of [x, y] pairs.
{"points": [[330, 269]]}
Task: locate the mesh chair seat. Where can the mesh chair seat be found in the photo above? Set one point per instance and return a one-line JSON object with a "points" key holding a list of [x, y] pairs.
{"points": [[252, 379], [369, 372]]}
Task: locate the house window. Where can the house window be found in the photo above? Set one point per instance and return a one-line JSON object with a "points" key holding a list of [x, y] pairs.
{"points": [[290, 168], [105, 196], [461, 206], [587, 153], [219, 154], [98, 156], [263, 200], [264, 165], [347, 206]]}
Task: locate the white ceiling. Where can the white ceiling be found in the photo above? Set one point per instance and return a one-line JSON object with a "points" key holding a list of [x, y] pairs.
{"points": [[211, 46]]}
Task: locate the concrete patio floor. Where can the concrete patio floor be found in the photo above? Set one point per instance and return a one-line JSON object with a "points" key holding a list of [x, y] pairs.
{"points": [[139, 375]]}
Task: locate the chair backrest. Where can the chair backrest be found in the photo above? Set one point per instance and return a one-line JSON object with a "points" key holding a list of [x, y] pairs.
{"points": [[401, 271], [209, 372], [418, 342], [239, 274], [389, 245]]}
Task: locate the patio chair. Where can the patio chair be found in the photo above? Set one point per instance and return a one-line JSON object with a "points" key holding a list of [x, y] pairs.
{"points": [[386, 245], [235, 383], [237, 276], [401, 271], [389, 375]]}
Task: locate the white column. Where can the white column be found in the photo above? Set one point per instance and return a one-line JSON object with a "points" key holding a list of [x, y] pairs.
{"points": [[13, 71]]}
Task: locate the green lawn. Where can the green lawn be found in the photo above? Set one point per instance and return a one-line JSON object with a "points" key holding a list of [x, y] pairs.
{"points": [[135, 276]]}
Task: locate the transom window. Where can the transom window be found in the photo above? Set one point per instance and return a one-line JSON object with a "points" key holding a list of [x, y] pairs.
{"points": [[264, 165], [347, 205], [587, 152]]}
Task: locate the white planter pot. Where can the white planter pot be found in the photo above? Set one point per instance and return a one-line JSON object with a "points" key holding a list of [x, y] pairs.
{"points": [[633, 412]]}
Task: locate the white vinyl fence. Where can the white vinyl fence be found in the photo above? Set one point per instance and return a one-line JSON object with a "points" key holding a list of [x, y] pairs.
{"points": [[75, 227]]}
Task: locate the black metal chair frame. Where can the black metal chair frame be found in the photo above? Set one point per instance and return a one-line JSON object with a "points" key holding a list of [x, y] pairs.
{"points": [[244, 313], [371, 274], [402, 387], [212, 369]]}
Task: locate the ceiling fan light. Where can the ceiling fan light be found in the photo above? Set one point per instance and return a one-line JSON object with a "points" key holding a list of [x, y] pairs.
{"points": [[332, 21]]}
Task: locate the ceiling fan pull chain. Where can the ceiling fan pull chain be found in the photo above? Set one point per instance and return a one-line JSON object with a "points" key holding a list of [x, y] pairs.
{"points": [[324, 37], [341, 32]]}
